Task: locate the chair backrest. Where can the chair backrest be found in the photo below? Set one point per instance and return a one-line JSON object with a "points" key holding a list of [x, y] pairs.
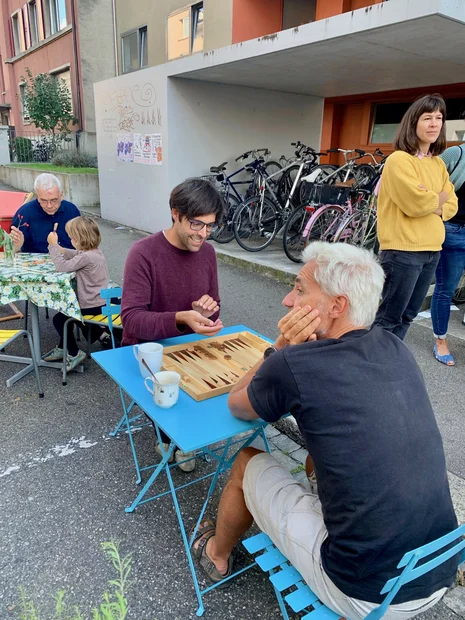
{"points": [[412, 571], [110, 310]]}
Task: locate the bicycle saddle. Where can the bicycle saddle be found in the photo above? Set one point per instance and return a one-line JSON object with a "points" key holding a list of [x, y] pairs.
{"points": [[218, 169]]}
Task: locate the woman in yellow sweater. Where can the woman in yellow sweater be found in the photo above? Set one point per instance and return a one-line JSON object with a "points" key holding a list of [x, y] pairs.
{"points": [[415, 199]]}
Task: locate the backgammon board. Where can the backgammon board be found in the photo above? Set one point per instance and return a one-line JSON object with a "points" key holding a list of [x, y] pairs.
{"points": [[211, 367]]}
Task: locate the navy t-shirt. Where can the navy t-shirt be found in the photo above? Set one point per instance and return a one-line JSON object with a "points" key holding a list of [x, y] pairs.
{"points": [[362, 407], [35, 225]]}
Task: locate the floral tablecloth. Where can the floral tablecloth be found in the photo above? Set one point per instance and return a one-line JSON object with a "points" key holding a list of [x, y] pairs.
{"points": [[34, 277]]}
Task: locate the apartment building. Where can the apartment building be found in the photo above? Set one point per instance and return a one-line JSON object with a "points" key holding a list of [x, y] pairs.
{"points": [[71, 39], [210, 80], [151, 33]]}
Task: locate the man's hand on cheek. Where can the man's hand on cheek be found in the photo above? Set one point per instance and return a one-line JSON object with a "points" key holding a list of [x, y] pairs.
{"points": [[298, 326]]}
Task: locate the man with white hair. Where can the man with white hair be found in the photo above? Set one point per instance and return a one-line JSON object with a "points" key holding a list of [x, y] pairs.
{"points": [[361, 405], [34, 220]]}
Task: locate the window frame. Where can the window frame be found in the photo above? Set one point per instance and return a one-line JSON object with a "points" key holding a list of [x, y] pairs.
{"points": [[193, 8], [17, 46], [374, 104], [140, 52], [26, 119], [33, 23]]}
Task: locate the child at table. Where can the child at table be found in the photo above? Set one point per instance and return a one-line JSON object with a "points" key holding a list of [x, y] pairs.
{"points": [[89, 264]]}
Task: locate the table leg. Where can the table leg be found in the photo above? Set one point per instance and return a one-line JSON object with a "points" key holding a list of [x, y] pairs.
{"points": [[35, 331], [163, 464]]}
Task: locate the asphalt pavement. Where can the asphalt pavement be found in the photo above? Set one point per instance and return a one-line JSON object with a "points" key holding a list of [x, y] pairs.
{"points": [[64, 483]]}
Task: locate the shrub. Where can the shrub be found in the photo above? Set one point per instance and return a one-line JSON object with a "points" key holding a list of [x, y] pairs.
{"points": [[75, 159], [22, 149]]}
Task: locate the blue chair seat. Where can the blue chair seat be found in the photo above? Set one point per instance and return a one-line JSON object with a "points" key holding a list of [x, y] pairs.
{"points": [[292, 591]]}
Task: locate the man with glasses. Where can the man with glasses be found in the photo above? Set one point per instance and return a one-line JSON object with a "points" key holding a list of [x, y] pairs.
{"points": [[34, 220], [170, 284]]}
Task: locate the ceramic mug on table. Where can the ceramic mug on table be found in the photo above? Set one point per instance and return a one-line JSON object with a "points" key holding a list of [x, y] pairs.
{"points": [[152, 353], [166, 391]]}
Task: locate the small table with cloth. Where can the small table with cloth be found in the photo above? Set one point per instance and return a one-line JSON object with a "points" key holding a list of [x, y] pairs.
{"points": [[33, 277]]}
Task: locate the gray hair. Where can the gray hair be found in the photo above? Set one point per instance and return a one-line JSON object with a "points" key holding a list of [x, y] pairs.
{"points": [[343, 269], [47, 181]]}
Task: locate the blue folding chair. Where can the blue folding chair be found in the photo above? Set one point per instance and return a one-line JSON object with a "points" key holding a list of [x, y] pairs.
{"points": [[300, 598], [110, 318]]}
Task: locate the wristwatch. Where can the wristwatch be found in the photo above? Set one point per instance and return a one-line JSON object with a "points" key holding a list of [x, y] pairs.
{"points": [[269, 351]]}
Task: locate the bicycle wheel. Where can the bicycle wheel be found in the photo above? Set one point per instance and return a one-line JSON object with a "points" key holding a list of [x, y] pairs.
{"points": [[272, 167], [364, 173], [293, 234], [225, 233], [323, 224], [286, 181], [255, 225], [459, 295], [353, 230]]}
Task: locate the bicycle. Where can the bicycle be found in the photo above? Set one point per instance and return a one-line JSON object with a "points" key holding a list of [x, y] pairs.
{"points": [[258, 220], [232, 198], [297, 227], [360, 227]]}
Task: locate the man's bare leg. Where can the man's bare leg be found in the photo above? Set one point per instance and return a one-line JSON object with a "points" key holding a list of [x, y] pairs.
{"points": [[234, 519], [309, 466]]}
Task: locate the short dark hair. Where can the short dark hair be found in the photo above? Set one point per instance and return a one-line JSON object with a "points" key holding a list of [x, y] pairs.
{"points": [[196, 197], [406, 137]]}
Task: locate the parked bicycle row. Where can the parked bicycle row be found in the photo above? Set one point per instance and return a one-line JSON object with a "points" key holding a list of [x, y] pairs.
{"points": [[284, 199]]}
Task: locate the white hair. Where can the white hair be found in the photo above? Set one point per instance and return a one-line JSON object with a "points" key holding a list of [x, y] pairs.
{"points": [[47, 181], [343, 269]]}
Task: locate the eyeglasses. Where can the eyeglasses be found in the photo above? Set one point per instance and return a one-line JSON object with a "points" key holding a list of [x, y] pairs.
{"points": [[198, 225], [53, 202]]}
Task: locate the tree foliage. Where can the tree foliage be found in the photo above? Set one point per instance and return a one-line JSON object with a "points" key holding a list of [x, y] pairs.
{"points": [[48, 103]]}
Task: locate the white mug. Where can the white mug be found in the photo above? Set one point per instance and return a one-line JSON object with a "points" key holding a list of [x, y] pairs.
{"points": [[166, 391], [152, 353]]}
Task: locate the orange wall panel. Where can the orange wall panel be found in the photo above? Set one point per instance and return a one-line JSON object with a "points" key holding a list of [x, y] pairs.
{"points": [[361, 4], [256, 18], [328, 8]]}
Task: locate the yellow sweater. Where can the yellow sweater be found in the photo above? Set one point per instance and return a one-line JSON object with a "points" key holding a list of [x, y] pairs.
{"points": [[406, 218]]}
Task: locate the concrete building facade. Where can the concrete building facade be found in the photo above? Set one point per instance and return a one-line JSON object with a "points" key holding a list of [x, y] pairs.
{"points": [[70, 39]]}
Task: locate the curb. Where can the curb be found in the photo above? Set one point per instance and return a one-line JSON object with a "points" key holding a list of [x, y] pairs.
{"points": [[264, 270]]}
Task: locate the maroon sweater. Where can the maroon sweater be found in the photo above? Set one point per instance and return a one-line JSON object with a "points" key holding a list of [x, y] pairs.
{"points": [[160, 280]]}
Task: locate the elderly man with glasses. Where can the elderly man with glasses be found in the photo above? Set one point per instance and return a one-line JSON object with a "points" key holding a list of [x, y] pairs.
{"points": [[36, 219], [170, 285]]}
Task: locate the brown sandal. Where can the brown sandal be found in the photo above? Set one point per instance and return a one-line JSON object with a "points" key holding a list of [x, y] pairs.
{"points": [[204, 528], [204, 533]]}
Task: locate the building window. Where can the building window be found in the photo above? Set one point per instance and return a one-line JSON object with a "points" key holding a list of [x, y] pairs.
{"points": [[54, 16], [197, 28], [387, 117], [65, 75], [15, 27], [24, 110], [33, 24], [185, 31], [134, 49]]}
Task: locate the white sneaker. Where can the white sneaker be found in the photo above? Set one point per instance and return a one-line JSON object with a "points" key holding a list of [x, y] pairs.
{"points": [[188, 466], [165, 448], [72, 362], [54, 356], [312, 481]]}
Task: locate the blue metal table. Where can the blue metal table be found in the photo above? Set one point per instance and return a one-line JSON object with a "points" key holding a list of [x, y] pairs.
{"points": [[192, 426]]}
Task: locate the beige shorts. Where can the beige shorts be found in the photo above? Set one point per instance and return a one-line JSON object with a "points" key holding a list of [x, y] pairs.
{"points": [[292, 518]]}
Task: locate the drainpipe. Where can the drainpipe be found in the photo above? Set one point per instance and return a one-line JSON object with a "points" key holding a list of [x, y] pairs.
{"points": [[77, 65], [115, 36]]}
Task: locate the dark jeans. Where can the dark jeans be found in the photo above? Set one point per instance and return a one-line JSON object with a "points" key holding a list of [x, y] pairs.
{"points": [[59, 321], [408, 277], [448, 273]]}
